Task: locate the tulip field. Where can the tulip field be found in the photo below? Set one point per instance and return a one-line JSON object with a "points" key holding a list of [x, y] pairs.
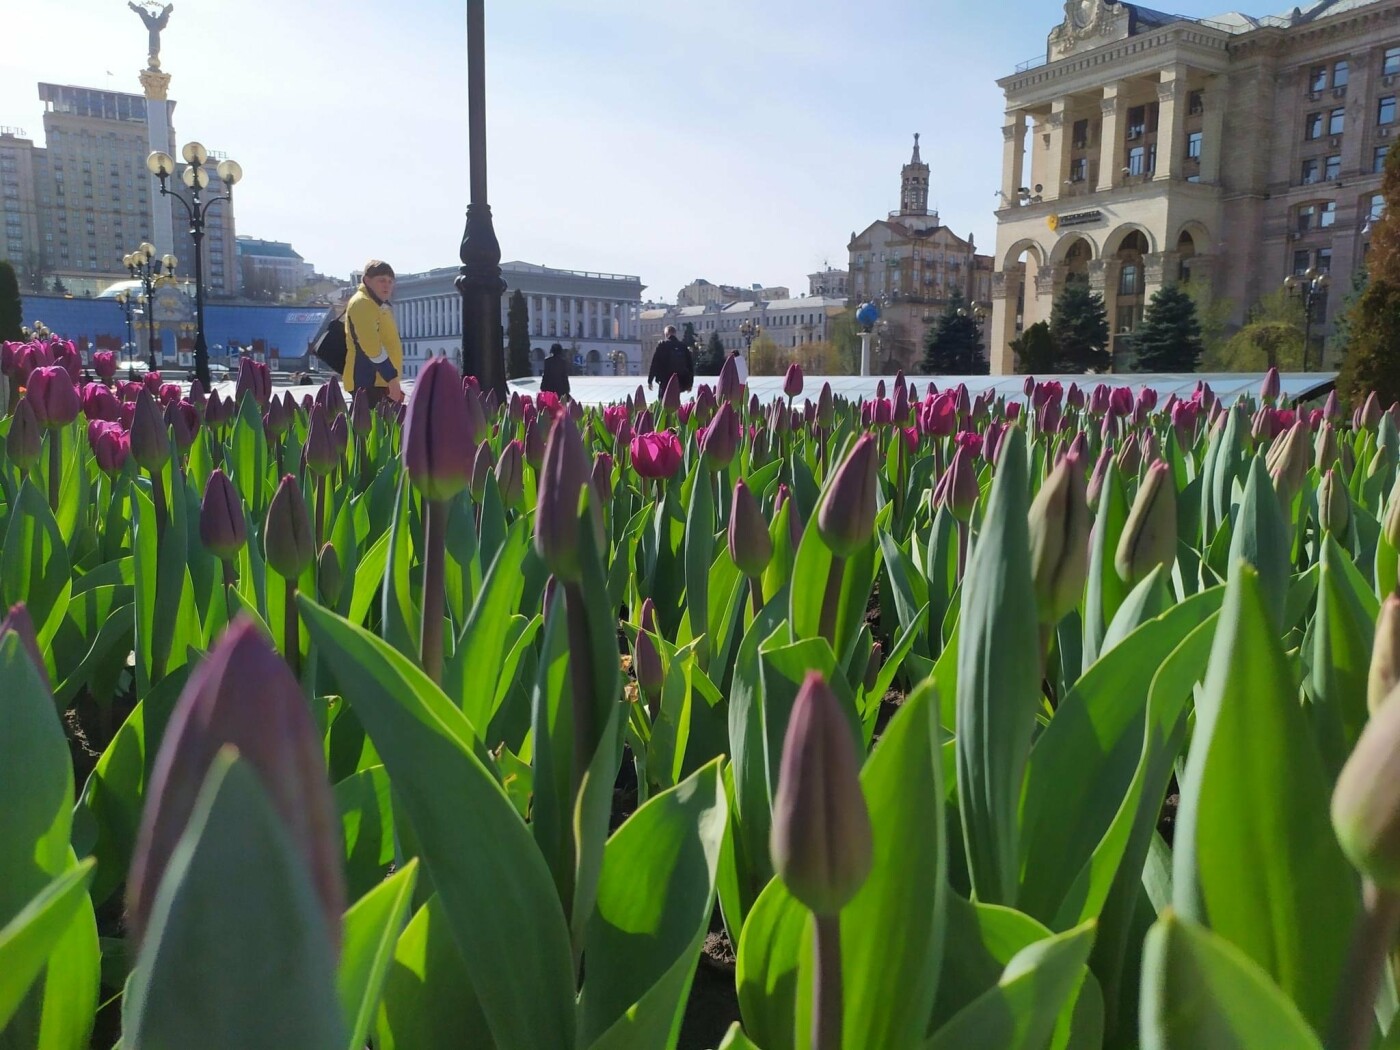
{"points": [[926, 721]]}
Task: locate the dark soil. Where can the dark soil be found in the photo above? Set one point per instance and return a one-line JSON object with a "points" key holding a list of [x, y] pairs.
{"points": [[1166, 820], [624, 802], [714, 1002]]}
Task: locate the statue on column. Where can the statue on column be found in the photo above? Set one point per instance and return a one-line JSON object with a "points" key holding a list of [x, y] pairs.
{"points": [[155, 22]]}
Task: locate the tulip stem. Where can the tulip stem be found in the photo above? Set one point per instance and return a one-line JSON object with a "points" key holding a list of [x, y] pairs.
{"points": [[964, 529], [1353, 1014], [230, 581], [756, 594], [434, 577], [581, 680], [320, 510], [831, 601], [55, 467], [291, 633], [826, 982]]}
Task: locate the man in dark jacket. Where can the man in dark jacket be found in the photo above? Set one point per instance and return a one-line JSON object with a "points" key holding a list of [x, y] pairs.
{"points": [[671, 358], [556, 372]]}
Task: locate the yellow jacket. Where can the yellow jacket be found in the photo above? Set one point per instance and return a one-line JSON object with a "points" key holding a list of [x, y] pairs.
{"points": [[373, 354]]}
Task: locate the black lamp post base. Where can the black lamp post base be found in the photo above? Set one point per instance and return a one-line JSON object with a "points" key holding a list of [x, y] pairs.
{"points": [[480, 285]]}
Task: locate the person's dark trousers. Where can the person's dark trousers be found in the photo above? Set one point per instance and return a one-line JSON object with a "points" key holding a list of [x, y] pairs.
{"points": [[375, 394]]}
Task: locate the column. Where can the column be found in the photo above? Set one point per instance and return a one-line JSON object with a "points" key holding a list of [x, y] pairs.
{"points": [[1057, 168], [1006, 290], [1115, 117], [1212, 131], [1013, 156], [573, 318], [1171, 124], [1158, 270], [559, 321]]}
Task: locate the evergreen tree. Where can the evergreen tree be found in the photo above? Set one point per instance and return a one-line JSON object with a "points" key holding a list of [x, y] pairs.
{"points": [[59, 288], [1035, 350], [709, 361], [1373, 322], [953, 346], [1079, 328], [518, 338], [688, 336], [1169, 338], [11, 309]]}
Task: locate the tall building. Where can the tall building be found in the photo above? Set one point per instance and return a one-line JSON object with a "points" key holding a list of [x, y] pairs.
{"points": [[593, 315], [834, 284], [913, 265], [271, 268], [1234, 151], [75, 205]]}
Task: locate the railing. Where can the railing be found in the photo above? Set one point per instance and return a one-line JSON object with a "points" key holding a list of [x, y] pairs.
{"points": [[1032, 63]]}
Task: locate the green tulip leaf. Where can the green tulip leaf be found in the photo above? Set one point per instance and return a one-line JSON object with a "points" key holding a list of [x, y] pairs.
{"points": [[372, 927]]}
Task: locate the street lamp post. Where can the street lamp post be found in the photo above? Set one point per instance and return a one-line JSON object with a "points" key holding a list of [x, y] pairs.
{"points": [[124, 301], [978, 313], [1312, 288], [143, 265], [479, 280], [196, 180], [750, 330]]}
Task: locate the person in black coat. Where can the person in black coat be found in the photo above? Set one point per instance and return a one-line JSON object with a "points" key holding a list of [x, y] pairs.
{"points": [[671, 358], [556, 372]]}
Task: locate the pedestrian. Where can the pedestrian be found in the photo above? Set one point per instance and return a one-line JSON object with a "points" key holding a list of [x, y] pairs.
{"points": [[556, 372], [740, 366], [374, 355], [671, 358]]}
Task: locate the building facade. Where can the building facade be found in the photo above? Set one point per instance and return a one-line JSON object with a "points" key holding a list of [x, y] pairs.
{"points": [[830, 283], [912, 265], [595, 316], [74, 206], [701, 292], [1148, 149], [271, 268], [789, 323]]}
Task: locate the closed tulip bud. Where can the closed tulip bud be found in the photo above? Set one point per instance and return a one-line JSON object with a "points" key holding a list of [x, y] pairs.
{"points": [[477, 426], [217, 411], [846, 514], [320, 446], [150, 443], [536, 434], [821, 839], [328, 576], [750, 547], [562, 477], [957, 489], [601, 478], [19, 623], [1129, 458], [1390, 523], [792, 381], [720, 440], [1149, 537], [183, 422], [437, 442], [873, 666], [1288, 461], [795, 523], [273, 731], [288, 542], [1270, 389], [510, 473], [1326, 451], [646, 660], [100, 403], [728, 387], [25, 440], [53, 396], [340, 434], [197, 395], [276, 419], [482, 467], [1059, 528], [111, 445], [361, 418], [1371, 411], [755, 407], [1332, 408], [826, 407], [104, 363], [1333, 505], [222, 527], [1366, 800], [671, 396], [332, 398], [1384, 674], [656, 455]]}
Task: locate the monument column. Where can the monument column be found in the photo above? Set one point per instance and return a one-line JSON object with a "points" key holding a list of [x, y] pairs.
{"points": [[1058, 174], [156, 86], [1113, 138]]}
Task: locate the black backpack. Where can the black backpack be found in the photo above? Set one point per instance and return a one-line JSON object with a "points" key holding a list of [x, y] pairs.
{"points": [[330, 345]]}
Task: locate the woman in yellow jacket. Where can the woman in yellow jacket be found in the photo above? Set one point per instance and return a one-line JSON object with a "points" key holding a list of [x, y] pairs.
{"points": [[373, 352]]}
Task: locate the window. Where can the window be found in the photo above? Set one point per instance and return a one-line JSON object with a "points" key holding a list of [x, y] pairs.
{"points": [[1377, 207], [1341, 74], [1333, 168], [1327, 214], [1317, 78], [1301, 261], [1312, 126], [1079, 169], [1127, 319], [1193, 145], [1128, 279], [1378, 159], [1137, 160], [1390, 65], [1307, 217], [1195, 102], [1137, 121], [1311, 172], [1385, 110], [1337, 122], [1324, 260], [1080, 136]]}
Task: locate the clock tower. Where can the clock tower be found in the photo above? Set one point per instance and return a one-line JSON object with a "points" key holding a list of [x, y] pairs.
{"points": [[913, 188]]}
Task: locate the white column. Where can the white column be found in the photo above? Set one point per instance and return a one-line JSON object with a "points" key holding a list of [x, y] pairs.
{"points": [[1057, 170], [158, 139], [1013, 157], [1213, 130], [1115, 127], [573, 318], [1171, 123]]}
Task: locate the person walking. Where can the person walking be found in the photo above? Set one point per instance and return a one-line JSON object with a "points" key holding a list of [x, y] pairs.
{"points": [[373, 352], [671, 358], [556, 372]]}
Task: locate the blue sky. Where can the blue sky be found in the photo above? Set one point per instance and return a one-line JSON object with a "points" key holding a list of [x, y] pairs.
{"points": [[738, 141]]}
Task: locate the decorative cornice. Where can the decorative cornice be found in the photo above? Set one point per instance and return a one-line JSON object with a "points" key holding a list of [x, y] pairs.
{"points": [[1056, 119], [1110, 106], [157, 84], [1008, 131]]}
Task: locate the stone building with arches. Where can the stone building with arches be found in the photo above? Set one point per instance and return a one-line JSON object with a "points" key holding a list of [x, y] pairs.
{"points": [[1145, 149]]}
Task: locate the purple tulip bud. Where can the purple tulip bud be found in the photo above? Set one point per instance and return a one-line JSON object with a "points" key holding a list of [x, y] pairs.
{"points": [[846, 514], [19, 623], [720, 440], [601, 478], [183, 425], [482, 467], [750, 547], [332, 398], [111, 445], [1059, 528], [288, 542], [729, 387], [477, 427], [1149, 537], [792, 381], [562, 477], [438, 446], [329, 580], [26, 439], [100, 403], [536, 434], [1271, 387], [646, 661], [826, 407], [361, 418], [320, 453], [821, 840], [671, 397], [510, 473], [150, 443], [1371, 411], [957, 489], [1332, 408], [272, 730], [795, 523], [53, 396], [222, 527]]}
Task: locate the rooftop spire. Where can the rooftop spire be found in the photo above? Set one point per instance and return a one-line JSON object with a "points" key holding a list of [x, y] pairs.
{"points": [[915, 158]]}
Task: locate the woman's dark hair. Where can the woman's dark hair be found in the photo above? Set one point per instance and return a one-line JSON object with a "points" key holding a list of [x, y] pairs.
{"points": [[557, 348], [378, 268]]}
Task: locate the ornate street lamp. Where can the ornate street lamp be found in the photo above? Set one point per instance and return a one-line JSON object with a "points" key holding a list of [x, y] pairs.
{"points": [[1312, 288], [750, 330], [143, 265], [978, 313], [129, 347], [196, 180]]}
